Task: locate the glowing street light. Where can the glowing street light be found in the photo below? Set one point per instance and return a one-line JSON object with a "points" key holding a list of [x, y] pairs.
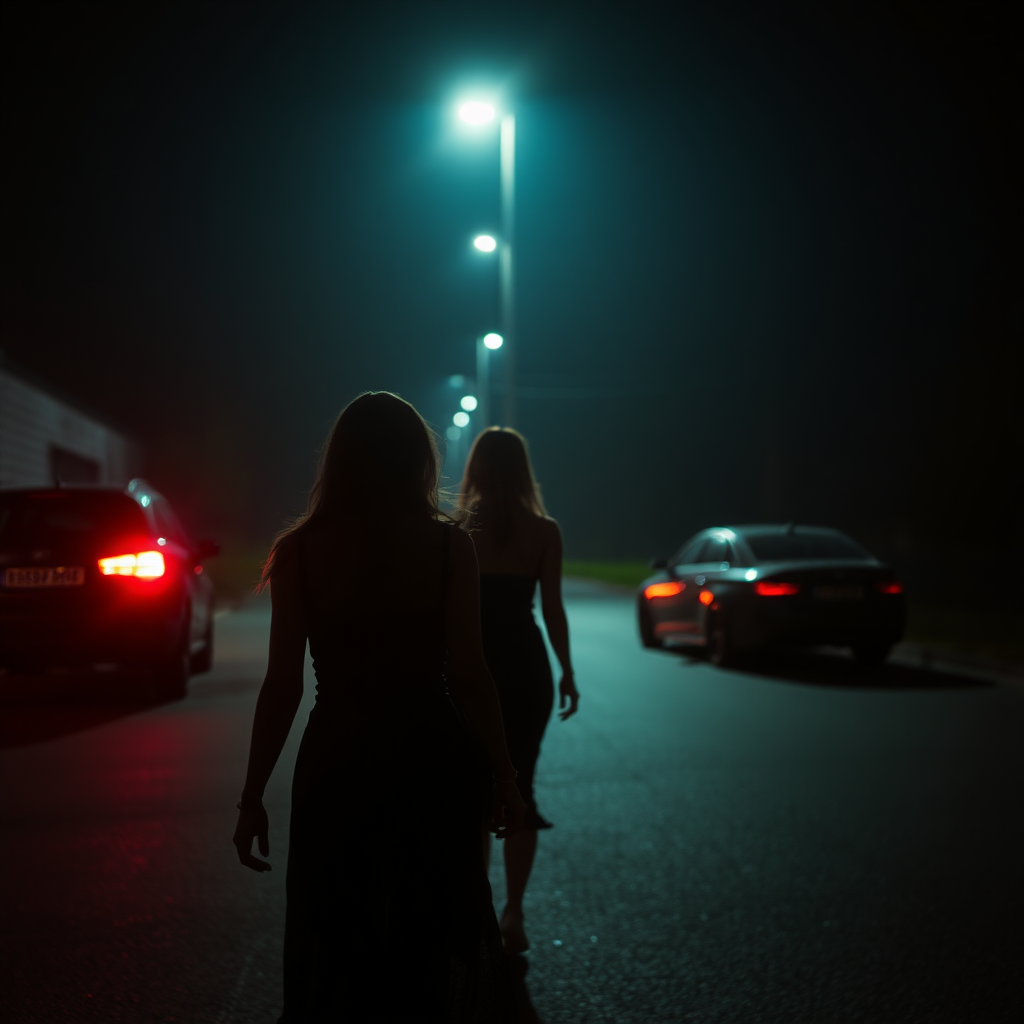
{"points": [[493, 341], [461, 419], [478, 112], [469, 403], [475, 112]]}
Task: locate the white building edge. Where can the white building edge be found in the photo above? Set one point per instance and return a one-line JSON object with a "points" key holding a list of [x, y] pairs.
{"points": [[46, 440]]}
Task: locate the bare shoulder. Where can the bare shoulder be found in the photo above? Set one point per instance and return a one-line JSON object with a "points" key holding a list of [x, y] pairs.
{"points": [[286, 553], [549, 528]]}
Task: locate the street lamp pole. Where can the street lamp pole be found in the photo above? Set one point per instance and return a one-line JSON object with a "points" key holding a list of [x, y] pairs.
{"points": [[506, 280], [483, 383], [476, 112], [484, 347]]}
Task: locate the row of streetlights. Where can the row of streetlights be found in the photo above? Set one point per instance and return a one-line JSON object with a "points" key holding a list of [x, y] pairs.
{"points": [[476, 112], [479, 402]]}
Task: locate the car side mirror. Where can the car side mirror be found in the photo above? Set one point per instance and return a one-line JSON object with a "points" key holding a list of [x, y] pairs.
{"points": [[659, 563], [206, 549]]}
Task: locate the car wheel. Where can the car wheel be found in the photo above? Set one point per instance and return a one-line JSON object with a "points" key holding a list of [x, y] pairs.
{"points": [[643, 618], [720, 649], [871, 655], [202, 661], [171, 672]]}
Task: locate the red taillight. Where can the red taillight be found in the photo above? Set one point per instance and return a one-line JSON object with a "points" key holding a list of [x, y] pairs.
{"points": [[768, 588], [889, 587], [663, 590], [705, 597], [146, 565]]}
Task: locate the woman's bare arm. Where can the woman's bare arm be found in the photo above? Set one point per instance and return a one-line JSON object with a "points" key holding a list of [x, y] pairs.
{"points": [[275, 708], [555, 619]]}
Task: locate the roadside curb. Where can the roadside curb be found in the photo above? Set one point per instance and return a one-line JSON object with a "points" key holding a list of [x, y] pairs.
{"points": [[944, 660]]}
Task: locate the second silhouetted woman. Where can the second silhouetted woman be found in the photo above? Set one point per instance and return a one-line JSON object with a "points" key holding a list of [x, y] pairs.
{"points": [[517, 545]]}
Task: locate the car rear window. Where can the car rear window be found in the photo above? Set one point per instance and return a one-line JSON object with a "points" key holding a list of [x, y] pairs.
{"points": [[785, 547], [53, 518]]}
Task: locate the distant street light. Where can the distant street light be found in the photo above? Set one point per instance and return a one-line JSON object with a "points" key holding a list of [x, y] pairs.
{"points": [[493, 341], [461, 419], [454, 433], [477, 113], [485, 243], [469, 403]]}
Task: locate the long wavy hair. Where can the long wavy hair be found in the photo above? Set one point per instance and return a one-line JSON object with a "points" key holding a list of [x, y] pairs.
{"points": [[380, 448], [498, 481]]}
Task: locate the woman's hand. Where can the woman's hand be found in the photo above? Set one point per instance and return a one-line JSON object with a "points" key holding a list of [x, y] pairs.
{"points": [[507, 809], [252, 823], [567, 693]]}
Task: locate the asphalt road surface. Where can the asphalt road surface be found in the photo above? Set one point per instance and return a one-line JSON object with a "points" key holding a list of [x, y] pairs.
{"points": [[800, 842]]}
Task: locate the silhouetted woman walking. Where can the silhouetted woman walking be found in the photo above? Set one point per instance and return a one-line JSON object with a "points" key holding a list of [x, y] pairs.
{"points": [[389, 913], [517, 544]]}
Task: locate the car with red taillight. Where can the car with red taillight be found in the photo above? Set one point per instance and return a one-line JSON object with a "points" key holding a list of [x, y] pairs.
{"points": [[102, 576], [743, 589]]}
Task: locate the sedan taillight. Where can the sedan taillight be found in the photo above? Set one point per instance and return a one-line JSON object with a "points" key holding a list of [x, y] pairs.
{"points": [[147, 565], [889, 587], [769, 588], [664, 590]]}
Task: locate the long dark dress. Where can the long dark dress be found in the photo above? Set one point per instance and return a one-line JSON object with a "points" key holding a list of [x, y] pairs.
{"points": [[518, 660], [389, 913]]}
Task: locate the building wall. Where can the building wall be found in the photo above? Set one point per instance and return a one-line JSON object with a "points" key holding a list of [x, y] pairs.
{"points": [[42, 436]]}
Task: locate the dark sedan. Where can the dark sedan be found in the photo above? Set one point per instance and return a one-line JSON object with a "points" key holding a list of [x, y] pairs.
{"points": [[96, 575], [741, 589]]}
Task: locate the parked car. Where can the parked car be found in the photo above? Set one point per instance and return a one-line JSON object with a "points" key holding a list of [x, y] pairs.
{"points": [[96, 575], [742, 589]]}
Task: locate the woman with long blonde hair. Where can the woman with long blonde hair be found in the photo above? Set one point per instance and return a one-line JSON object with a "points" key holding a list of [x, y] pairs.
{"points": [[385, 589], [518, 545]]}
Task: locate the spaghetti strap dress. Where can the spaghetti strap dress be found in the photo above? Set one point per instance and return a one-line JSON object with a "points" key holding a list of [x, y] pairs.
{"points": [[389, 914], [515, 653]]}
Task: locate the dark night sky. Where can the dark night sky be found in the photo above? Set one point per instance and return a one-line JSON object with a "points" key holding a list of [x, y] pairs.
{"points": [[768, 255]]}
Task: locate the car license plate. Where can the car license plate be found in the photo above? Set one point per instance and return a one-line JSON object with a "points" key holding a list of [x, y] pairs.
{"points": [[59, 576], [838, 593]]}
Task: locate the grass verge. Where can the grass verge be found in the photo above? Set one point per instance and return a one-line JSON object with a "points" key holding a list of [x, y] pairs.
{"points": [[624, 574], [981, 633]]}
